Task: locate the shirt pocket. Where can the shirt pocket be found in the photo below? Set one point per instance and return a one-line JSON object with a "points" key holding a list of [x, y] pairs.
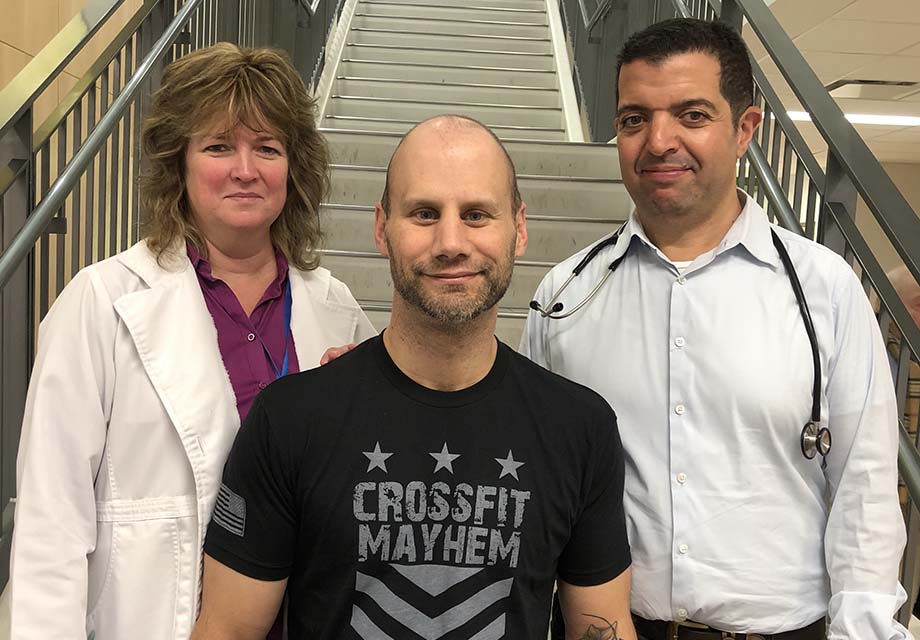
{"points": [[144, 570]]}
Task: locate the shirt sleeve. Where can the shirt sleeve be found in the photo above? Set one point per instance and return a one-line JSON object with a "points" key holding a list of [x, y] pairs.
{"points": [[253, 528], [598, 549], [865, 533]]}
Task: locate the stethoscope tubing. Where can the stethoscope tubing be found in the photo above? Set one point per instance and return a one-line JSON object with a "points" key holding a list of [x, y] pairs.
{"points": [[812, 440]]}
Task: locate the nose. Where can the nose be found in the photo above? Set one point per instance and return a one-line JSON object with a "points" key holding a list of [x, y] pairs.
{"points": [[244, 168], [662, 136], [451, 238]]}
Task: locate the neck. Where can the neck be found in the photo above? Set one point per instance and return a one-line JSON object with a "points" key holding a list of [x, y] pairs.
{"points": [[686, 235], [437, 356], [241, 261]]}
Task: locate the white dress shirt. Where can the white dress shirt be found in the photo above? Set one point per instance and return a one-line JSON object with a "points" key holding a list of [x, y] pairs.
{"points": [[710, 373]]}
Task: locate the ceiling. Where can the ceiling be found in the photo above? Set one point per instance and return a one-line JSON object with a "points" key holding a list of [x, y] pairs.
{"points": [[856, 39]]}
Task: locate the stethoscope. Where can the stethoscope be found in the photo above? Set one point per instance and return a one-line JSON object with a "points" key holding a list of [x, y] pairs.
{"points": [[815, 439]]}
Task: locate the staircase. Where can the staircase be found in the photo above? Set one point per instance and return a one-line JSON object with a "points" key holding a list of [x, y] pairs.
{"points": [[406, 60]]}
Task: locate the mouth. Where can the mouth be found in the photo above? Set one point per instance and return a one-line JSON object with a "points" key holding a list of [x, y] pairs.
{"points": [[453, 277], [665, 172], [244, 195]]}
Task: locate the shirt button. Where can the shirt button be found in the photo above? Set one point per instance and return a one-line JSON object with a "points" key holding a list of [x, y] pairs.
{"points": [[251, 337], [262, 385], [679, 342], [679, 409], [683, 548], [681, 477], [681, 280], [682, 613]]}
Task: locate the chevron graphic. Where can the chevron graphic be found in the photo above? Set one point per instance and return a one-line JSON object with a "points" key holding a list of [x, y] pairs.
{"points": [[434, 583]]}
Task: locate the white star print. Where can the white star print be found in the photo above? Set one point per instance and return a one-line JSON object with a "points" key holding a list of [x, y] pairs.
{"points": [[445, 459], [378, 460], [509, 466]]}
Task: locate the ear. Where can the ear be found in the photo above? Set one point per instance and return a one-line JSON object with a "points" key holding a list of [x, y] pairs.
{"points": [[747, 125], [520, 224], [380, 235]]}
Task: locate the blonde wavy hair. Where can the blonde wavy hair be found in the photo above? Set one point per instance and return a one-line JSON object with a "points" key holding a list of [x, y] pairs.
{"points": [[225, 85]]}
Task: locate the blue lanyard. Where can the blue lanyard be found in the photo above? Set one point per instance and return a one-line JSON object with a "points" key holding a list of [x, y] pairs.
{"points": [[285, 363]]}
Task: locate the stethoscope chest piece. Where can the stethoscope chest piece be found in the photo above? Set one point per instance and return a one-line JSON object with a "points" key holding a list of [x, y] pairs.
{"points": [[815, 440]]}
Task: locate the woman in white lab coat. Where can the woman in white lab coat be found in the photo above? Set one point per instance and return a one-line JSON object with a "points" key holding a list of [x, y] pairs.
{"points": [[142, 372]]}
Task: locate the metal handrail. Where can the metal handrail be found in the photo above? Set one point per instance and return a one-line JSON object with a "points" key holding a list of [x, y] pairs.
{"points": [[591, 21], [891, 209], [48, 207]]}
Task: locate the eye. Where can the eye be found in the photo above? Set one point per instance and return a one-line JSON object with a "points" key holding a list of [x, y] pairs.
{"points": [[475, 216], [219, 147], [630, 121], [426, 215], [695, 117], [270, 150]]}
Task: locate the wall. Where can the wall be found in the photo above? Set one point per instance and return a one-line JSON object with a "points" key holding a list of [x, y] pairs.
{"points": [[28, 25], [906, 178]]}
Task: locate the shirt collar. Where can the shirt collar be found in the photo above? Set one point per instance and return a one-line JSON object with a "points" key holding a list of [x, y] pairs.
{"points": [[203, 268], [751, 230]]}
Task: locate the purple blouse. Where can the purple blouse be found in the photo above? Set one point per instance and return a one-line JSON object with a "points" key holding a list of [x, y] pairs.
{"points": [[248, 345]]}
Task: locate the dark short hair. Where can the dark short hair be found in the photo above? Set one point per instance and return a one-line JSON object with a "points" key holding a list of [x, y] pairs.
{"points": [[668, 38], [516, 199]]}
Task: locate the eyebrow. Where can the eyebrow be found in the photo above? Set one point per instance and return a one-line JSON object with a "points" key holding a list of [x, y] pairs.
{"points": [[684, 104], [432, 204]]}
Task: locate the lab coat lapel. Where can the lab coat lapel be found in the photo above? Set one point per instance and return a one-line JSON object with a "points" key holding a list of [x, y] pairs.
{"points": [[176, 340], [317, 323]]}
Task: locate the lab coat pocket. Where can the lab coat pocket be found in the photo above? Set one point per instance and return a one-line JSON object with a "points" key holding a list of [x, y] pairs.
{"points": [[143, 572]]}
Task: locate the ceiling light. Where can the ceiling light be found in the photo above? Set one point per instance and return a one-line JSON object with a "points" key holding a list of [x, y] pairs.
{"points": [[867, 118]]}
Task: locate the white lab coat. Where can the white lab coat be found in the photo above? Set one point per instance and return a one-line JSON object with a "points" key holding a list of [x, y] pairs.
{"points": [[129, 418]]}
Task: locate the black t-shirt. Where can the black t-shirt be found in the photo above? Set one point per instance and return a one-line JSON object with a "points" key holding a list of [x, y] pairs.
{"points": [[396, 511]]}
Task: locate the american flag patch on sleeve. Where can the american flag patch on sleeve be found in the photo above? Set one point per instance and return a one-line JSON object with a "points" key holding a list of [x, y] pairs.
{"points": [[230, 511]]}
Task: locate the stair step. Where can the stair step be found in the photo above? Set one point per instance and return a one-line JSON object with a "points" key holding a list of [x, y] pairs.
{"points": [[550, 239], [508, 328], [564, 159], [587, 197], [480, 11], [426, 72], [407, 109], [450, 40], [443, 92], [368, 277], [498, 4], [392, 125], [441, 25], [456, 57]]}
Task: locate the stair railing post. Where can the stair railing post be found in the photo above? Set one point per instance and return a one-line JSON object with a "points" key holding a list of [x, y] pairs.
{"points": [[840, 189], [16, 317], [732, 15]]}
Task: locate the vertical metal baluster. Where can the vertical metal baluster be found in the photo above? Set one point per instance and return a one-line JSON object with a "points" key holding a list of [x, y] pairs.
{"points": [[59, 239], [102, 204], [114, 177], [76, 202], [127, 120], [786, 165], [811, 210], [90, 178], [799, 185], [44, 245]]}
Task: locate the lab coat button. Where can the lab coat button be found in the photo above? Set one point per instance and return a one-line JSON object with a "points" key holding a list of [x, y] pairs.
{"points": [[682, 613], [683, 548], [679, 342], [681, 280], [679, 409], [681, 477]]}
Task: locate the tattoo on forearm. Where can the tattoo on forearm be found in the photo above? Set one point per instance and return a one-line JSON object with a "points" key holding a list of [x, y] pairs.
{"points": [[605, 631]]}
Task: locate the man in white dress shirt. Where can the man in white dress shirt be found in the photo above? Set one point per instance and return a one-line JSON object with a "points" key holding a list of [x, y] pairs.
{"points": [[697, 342]]}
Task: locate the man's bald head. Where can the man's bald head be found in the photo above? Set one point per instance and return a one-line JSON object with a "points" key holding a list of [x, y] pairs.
{"points": [[449, 126]]}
